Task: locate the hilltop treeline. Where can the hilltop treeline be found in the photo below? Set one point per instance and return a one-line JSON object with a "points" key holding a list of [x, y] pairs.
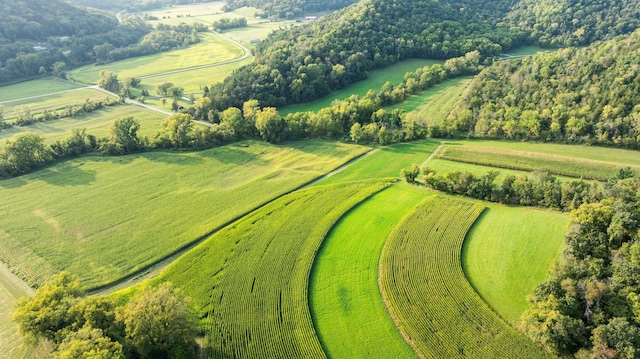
{"points": [[289, 8], [587, 95], [132, 6]]}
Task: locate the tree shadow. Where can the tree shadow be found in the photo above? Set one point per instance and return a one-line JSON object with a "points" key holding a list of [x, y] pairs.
{"points": [[68, 174]]}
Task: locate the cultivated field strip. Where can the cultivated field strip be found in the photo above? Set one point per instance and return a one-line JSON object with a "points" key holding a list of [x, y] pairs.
{"points": [[531, 161], [250, 280], [430, 299]]}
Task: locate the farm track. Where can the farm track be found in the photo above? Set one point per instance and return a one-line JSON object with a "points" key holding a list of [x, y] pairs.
{"points": [[433, 154]]}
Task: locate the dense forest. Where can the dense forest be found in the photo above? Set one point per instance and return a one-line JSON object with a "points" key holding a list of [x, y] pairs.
{"points": [[132, 5], [289, 8], [587, 95]]}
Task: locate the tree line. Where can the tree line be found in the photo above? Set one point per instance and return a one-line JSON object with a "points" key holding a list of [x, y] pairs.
{"points": [[288, 8], [155, 323]]}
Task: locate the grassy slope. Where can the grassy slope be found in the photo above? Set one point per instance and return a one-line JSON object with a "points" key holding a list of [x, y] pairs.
{"points": [[350, 317], [394, 73], [34, 88], [210, 50], [96, 123], [250, 280], [385, 162], [436, 102], [81, 215]]}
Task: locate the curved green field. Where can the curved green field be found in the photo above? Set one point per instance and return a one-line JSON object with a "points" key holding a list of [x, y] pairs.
{"points": [[349, 314], [428, 295], [250, 280], [509, 251]]}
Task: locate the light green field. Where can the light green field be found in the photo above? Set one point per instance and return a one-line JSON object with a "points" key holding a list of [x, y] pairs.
{"points": [[250, 281], [53, 102], [35, 88], [385, 162], [523, 51], [11, 342], [436, 103], [509, 251], [394, 74], [96, 123], [210, 50], [83, 214], [350, 317], [427, 293]]}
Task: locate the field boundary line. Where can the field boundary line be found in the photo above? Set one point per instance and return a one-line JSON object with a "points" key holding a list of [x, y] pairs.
{"points": [[341, 168], [11, 280], [433, 154]]}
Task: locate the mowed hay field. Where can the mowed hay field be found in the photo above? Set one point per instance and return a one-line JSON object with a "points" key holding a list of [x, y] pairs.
{"points": [[211, 49], [350, 316], [35, 88], [12, 345], [509, 251], [394, 74], [105, 217], [97, 123], [428, 295], [250, 280], [436, 103]]}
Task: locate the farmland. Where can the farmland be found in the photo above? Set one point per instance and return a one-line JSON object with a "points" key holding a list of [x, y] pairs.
{"points": [[443, 302], [146, 205], [250, 280], [435, 103], [350, 316], [508, 253], [34, 88]]}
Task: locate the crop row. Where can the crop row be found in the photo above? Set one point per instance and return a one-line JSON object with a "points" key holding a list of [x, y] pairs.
{"points": [[430, 299], [530, 161], [250, 280]]}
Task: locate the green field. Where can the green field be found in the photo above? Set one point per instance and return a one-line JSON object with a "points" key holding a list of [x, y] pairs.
{"points": [[53, 102], [428, 295], [35, 88], [523, 51], [82, 215], [12, 345], [442, 167], [350, 317], [96, 123], [385, 162], [394, 74], [436, 103], [531, 161], [250, 280], [211, 49], [509, 251]]}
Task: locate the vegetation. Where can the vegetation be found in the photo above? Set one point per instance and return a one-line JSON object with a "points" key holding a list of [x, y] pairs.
{"points": [[249, 281], [509, 251], [289, 8], [425, 248], [343, 292], [144, 204]]}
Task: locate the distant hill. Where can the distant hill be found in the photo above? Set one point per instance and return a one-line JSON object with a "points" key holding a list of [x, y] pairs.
{"points": [[289, 8], [588, 95], [132, 5]]}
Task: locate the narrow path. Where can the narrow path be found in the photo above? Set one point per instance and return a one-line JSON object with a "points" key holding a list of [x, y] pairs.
{"points": [[343, 167], [433, 154]]}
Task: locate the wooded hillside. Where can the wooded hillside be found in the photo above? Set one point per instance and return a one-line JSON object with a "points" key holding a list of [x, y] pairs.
{"points": [[289, 8]]}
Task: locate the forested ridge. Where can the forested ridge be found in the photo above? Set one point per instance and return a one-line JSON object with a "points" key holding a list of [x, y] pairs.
{"points": [[289, 8], [587, 95]]}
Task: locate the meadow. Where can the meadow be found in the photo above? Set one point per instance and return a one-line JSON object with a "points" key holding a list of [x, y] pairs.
{"points": [[436, 103], [12, 345], [38, 87], [394, 74], [211, 49], [83, 214], [97, 123], [530, 161], [423, 284], [249, 281], [350, 317], [509, 251]]}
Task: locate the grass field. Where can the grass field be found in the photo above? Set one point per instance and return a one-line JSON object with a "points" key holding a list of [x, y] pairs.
{"points": [[385, 162], [12, 345], [394, 74], [82, 215], [210, 50], [96, 123], [441, 167], [350, 317], [436, 103], [53, 102], [34, 88], [509, 251], [250, 280], [428, 295], [531, 161], [522, 51]]}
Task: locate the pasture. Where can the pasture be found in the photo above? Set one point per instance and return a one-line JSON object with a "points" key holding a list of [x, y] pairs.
{"points": [[96, 123], [12, 345], [429, 297], [81, 215], [530, 161], [350, 317], [385, 162], [32, 88], [211, 49], [436, 103], [394, 74], [509, 251], [250, 280]]}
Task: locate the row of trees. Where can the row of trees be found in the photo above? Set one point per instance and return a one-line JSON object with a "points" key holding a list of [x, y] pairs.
{"points": [[227, 23], [288, 8], [156, 323]]}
